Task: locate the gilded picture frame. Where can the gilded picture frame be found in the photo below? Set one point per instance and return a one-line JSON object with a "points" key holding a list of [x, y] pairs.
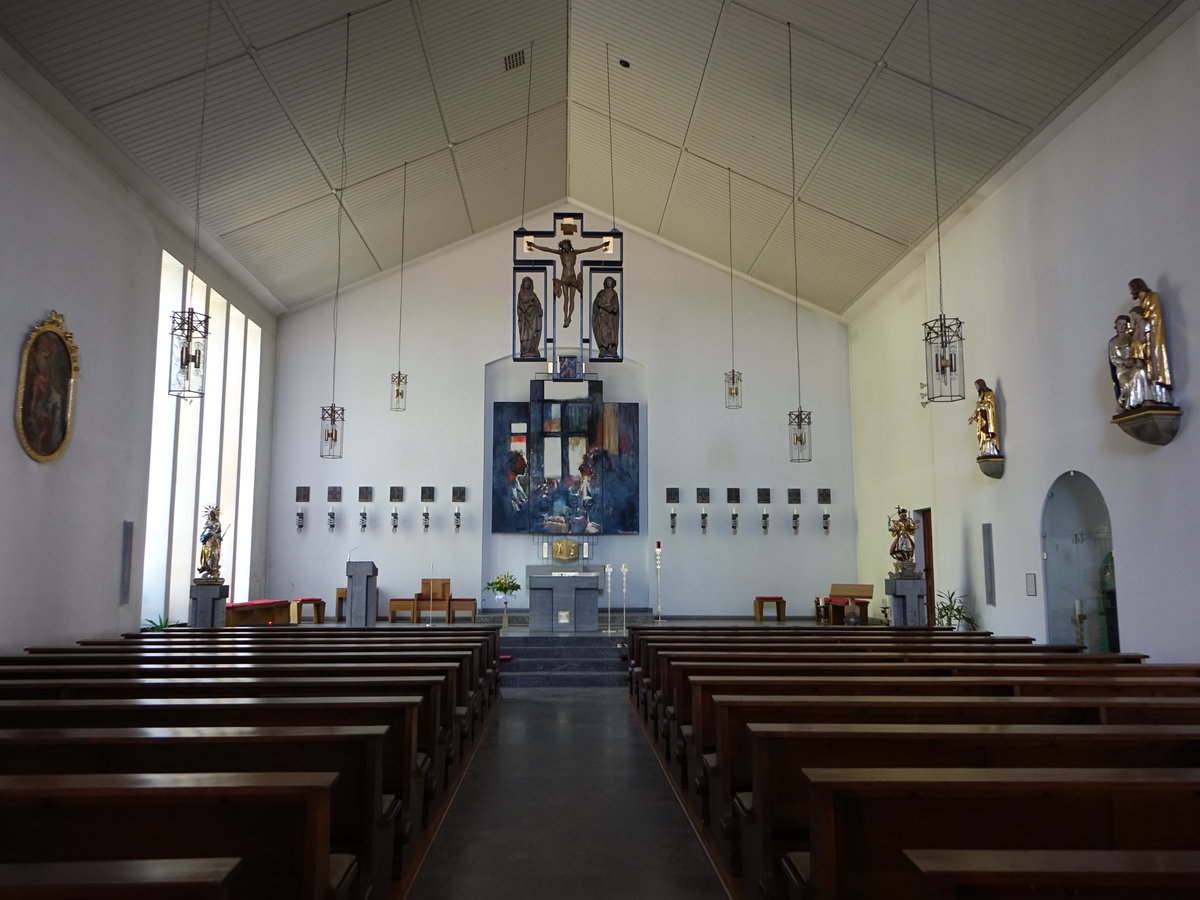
{"points": [[45, 407]]}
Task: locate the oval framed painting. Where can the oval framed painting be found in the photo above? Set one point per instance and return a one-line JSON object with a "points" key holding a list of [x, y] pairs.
{"points": [[46, 389]]}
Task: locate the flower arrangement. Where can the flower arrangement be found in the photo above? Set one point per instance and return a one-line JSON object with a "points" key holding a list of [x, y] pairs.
{"points": [[503, 584]]}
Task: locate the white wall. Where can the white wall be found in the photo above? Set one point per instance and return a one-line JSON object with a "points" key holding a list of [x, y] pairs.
{"points": [[76, 239], [457, 334], [1038, 272]]}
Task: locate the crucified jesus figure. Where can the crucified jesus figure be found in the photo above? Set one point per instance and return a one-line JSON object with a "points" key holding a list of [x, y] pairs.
{"points": [[570, 282]]}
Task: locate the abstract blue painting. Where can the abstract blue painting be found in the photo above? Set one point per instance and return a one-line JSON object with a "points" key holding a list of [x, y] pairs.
{"points": [[565, 466]]}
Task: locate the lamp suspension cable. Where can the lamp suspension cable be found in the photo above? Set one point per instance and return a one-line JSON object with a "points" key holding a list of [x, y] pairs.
{"points": [[528, 116], [937, 201], [733, 378], [612, 182], [200, 147]]}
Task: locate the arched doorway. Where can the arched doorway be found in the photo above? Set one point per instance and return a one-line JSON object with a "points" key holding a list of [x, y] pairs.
{"points": [[1077, 549]]}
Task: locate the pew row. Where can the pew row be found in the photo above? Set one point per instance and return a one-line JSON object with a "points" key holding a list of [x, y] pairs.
{"points": [[278, 823]]}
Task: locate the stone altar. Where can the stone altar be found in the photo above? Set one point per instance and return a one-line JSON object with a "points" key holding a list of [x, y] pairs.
{"points": [[563, 599]]}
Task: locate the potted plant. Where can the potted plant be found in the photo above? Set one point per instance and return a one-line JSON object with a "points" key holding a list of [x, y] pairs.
{"points": [[503, 586], [950, 610]]}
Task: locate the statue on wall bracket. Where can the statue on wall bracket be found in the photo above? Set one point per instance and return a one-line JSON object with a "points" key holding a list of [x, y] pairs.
{"points": [[1140, 369], [987, 431], [547, 266]]}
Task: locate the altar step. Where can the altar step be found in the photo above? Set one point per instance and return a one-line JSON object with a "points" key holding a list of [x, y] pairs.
{"points": [[563, 660], [519, 618]]}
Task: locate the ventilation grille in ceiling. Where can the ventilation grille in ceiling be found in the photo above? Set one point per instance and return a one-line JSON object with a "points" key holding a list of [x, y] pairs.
{"points": [[514, 60]]}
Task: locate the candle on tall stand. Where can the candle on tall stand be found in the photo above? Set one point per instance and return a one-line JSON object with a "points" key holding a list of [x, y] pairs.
{"points": [[624, 592], [658, 578], [608, 594]]}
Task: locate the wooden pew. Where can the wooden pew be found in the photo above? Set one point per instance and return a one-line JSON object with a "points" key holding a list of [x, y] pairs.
{"points": [[476, 678], [362, 817], [277, 822], [863, 819], [730, 769], [402, 773], [1042, 874], [356, 660], [298, 637], [672, 701], [778, 815], [205, 878], [479, 668], [491, 633], [433, 735], [694, 741]]}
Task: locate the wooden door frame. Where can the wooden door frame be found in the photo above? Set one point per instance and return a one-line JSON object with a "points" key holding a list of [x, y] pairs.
{"points": [[925, 517]]}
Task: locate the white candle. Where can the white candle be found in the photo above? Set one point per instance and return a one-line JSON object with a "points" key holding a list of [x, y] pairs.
{"points": [[456, 510], [299, 509], [793, 510], [425, 510], [1077, 609], [545, 550], [672, 510], [362, 509], [586, 551], [764, 511], [393, 510], [704, 510], [822, 601], [331, 509]]}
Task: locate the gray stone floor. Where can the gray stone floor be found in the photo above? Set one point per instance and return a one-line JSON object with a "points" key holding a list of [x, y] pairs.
{"points": [[566, 800]]}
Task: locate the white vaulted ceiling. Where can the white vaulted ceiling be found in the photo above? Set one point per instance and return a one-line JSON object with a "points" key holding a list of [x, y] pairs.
{"points": [[706, 88]]}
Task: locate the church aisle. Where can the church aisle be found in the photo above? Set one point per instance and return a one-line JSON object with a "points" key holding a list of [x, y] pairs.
{"points": [[565, 800]]}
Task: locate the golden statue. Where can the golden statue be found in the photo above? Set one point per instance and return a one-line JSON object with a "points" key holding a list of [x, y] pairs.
{"points": [[987, 427], [1150, 341], [903, 528], [210, 545]]}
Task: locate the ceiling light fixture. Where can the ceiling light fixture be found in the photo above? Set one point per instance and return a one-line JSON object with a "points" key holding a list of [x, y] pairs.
{"points": [[799, 419], [944, 377], [399, 379], [189, 329], [333, 417], [733, 378]]}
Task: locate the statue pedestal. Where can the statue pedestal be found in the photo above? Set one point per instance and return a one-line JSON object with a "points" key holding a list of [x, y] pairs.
{"points": [[909, 605], [1150, 424], [206, 608], [360, 593]]}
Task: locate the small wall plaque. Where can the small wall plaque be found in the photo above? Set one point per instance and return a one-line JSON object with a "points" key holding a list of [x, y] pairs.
{"points": [[764, 495], [302, 494], [794, 496], [426, 495], [672, 495], [458, 494], [366, 494], [333, 494], [702, 495], [733, 495], [395, 494], [824, 495]]}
